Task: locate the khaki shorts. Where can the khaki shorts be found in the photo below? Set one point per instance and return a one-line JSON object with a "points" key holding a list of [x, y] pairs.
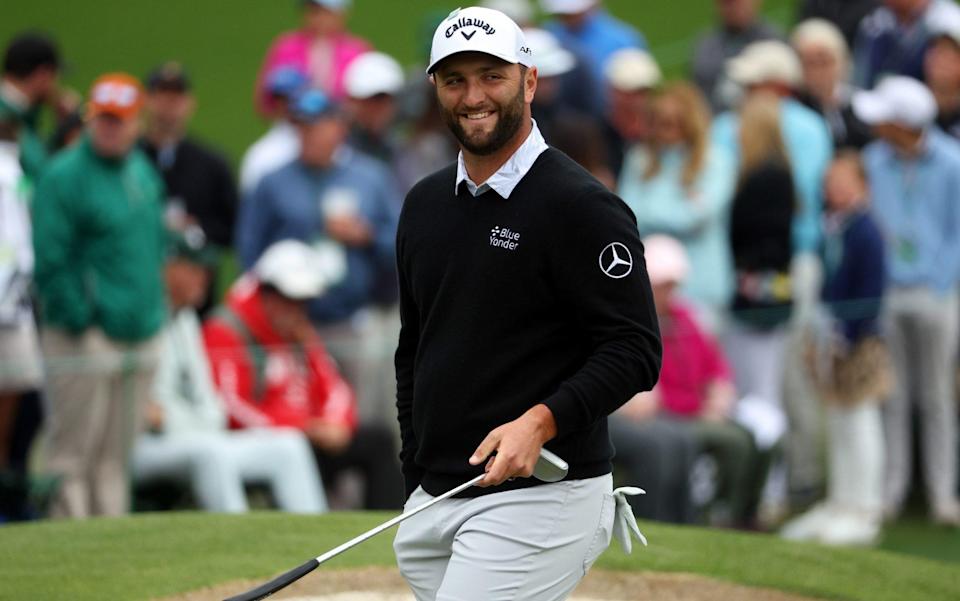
{"points": [[21, 367]]}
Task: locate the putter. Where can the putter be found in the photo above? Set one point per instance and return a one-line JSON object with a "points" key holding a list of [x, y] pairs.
{"points": [[549, 468]]}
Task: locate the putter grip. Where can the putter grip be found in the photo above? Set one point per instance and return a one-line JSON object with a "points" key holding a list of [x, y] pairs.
{"points": [[282, 581]]}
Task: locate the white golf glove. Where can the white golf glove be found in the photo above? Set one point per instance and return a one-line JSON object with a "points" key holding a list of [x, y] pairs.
{"points": [[623, 521]]}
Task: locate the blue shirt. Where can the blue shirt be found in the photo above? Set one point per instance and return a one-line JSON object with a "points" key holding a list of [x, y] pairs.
{"points": [[600, 36], [697, 216], [809, 147], [917, 204], [290, 203]]}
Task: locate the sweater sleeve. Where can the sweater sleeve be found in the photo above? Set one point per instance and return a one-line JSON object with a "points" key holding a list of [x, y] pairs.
{"points": [[602, 280], [404, 363], [58, 270]]}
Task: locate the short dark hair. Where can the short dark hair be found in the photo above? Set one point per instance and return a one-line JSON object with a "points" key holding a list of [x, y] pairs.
{"points": [[28, 52]]}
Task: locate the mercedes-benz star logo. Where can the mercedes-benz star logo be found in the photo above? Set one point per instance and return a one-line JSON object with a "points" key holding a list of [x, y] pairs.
{"points": [[616, 261]]}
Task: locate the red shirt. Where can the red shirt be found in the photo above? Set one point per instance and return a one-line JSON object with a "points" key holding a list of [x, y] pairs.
{"points": [[296, 385], [692, 361]]}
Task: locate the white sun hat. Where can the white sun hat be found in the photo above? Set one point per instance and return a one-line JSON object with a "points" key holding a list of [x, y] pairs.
{"points": [[566, 7], [767, 61], [896, 99], [373, 73], [478, 29], [293, 268], [550, 58], [666, 259], [632, 69]]}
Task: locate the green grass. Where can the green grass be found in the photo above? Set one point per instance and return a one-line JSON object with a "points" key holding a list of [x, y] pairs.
{"points": [[222, 43], [149, 556]]}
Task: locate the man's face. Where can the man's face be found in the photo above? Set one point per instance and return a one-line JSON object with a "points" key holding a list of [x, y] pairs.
{"points": [[320, 140], [738, 14], [483, 100], [321, 21], [902, 138], [287, 316], [43, 84], [112, 136], [170, 110], [630, 113], [374, 114], [904, 8], [941, 64], [187, 282]]}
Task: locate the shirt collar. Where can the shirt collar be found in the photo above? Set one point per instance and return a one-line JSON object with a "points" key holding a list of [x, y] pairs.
{"points": [[510, 173]]}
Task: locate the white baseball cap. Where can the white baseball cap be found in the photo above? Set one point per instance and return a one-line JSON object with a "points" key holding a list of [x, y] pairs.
{"points": [[373, 73], [549, 56], [666, 259], [566, 7], [293, 268], [896, 99], [478, 29], [765, 61], [631, 69]]}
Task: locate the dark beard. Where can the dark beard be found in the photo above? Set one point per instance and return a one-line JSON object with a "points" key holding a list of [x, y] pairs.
{"points": [[511, 116]]}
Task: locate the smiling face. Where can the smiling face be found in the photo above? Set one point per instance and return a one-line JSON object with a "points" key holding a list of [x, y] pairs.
{"points": [[484, 100]]}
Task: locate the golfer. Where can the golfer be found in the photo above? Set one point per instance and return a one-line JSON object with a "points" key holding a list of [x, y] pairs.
{"points": [[527, 318]]}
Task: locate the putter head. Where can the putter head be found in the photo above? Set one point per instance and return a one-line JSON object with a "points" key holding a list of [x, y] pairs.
{"points": [[550, 468]]}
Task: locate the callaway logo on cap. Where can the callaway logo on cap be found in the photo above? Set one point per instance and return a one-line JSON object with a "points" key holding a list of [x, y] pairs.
{"points": [[478, 29]]}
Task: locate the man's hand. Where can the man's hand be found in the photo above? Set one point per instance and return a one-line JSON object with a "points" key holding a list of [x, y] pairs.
{"points": [[329, 437], [351, 230], [517, 445]]}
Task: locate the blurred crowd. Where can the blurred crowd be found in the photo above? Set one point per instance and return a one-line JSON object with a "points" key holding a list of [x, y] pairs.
{"points": [[798, 195]]}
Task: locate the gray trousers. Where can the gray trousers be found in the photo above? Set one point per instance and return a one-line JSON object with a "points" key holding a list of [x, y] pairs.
{"points": [[531, 544], [96, 391], [921, 329]]}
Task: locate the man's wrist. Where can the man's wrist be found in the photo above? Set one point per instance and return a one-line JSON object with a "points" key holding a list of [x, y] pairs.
{"points": [[546, 424]]}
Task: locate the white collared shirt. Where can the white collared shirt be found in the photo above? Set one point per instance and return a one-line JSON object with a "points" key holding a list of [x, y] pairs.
{"points": [[510, 173]]}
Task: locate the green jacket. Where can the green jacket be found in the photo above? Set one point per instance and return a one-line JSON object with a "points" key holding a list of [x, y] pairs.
{"points": [[99, 242], [33, 150]]}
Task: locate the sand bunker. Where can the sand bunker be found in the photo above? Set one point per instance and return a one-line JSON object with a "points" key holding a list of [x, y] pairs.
{"points": [[385, 584]]}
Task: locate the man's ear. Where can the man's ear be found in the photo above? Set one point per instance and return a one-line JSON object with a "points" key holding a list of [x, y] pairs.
{"points": [[530, 84]]}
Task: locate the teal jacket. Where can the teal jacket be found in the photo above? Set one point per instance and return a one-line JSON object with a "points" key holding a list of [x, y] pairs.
{"points": [[99, 242], [33, 150], [698, 217]]}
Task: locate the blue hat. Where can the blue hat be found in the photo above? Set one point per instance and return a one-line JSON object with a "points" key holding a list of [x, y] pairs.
{"points": [[311, 105], [286, 81]]}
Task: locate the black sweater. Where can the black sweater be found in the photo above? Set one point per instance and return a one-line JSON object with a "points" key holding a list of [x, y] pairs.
{"points": [[504, 305]]}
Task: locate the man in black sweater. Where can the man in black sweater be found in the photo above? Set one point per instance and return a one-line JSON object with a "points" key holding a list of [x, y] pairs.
{"points": [[527, 318]]}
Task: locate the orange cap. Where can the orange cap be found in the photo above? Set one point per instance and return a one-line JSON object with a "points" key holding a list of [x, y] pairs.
{"points": [[116, 94]]}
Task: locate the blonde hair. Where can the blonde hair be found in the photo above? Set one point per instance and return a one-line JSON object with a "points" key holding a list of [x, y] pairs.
{"points": [[761, 140], [822, 33], [695, 124]]}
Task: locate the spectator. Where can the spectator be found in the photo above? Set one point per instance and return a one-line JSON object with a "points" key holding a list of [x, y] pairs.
{"points": [[695, 390], [31, 68], [631, 75], [583, 26], [20, 367], [553, 61], [98, 238], [740, 25], [941, 70], [519, 11], [322, 48], [771, 67], [372, 83], [281, 143], [893, 38], [846, 15], [914, 173], [678, 184], [273, 371], [581, 139], [188, 438], [826, 63], [199, 184], [354, 223], [760, 229], [850, 365]]}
